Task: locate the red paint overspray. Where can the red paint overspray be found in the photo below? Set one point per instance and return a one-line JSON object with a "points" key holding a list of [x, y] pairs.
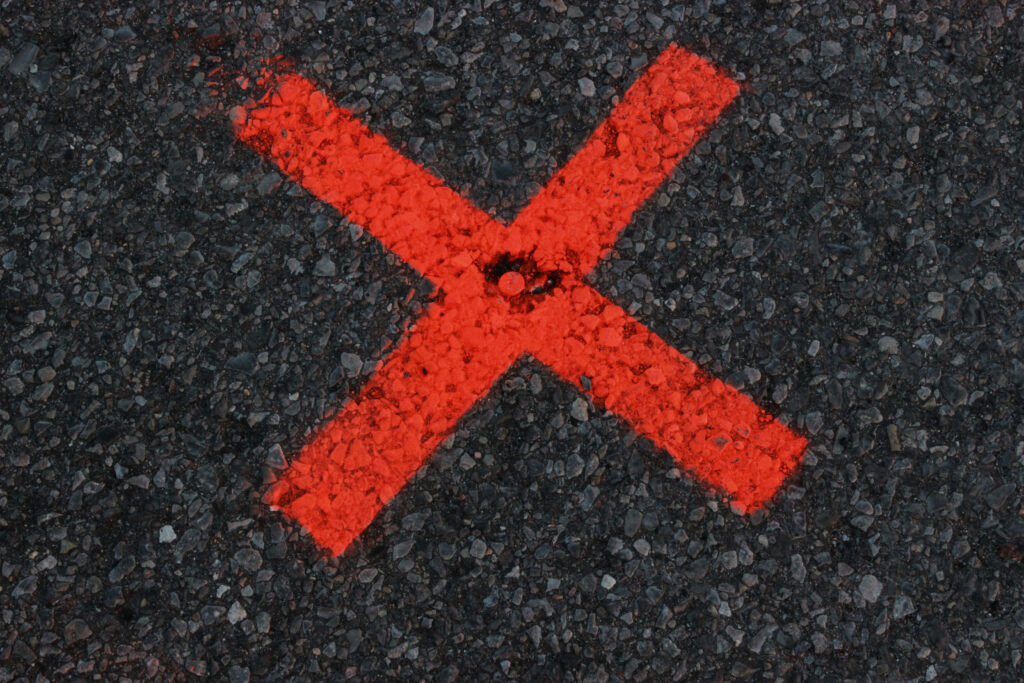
{"points": [[452, 355]]}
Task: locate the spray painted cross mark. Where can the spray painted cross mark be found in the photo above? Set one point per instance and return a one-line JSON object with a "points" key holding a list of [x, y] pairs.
{"points": [[505, 291]]}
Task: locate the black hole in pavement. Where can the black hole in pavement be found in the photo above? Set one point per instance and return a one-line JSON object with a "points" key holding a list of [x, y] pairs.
{"points": [[537, 281]]}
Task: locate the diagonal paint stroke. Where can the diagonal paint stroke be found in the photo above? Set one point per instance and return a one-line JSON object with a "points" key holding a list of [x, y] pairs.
{"points": [[451, 356]]}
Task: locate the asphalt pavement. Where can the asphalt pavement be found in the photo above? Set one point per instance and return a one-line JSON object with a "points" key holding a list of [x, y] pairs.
{"points": [[844, 245]]}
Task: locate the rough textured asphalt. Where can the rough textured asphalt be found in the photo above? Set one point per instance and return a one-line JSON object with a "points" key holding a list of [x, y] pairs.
{"points": [[845, 246]]}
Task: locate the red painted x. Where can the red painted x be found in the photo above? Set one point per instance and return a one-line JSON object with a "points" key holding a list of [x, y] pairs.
{"points": [[481, 322]]}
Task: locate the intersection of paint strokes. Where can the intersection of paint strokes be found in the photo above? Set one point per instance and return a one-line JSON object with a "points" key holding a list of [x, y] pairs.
{"points": [[483, 320]]}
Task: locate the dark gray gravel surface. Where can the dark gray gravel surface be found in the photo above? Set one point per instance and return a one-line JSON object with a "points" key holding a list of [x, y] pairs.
{"points": [[846, 246]]}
